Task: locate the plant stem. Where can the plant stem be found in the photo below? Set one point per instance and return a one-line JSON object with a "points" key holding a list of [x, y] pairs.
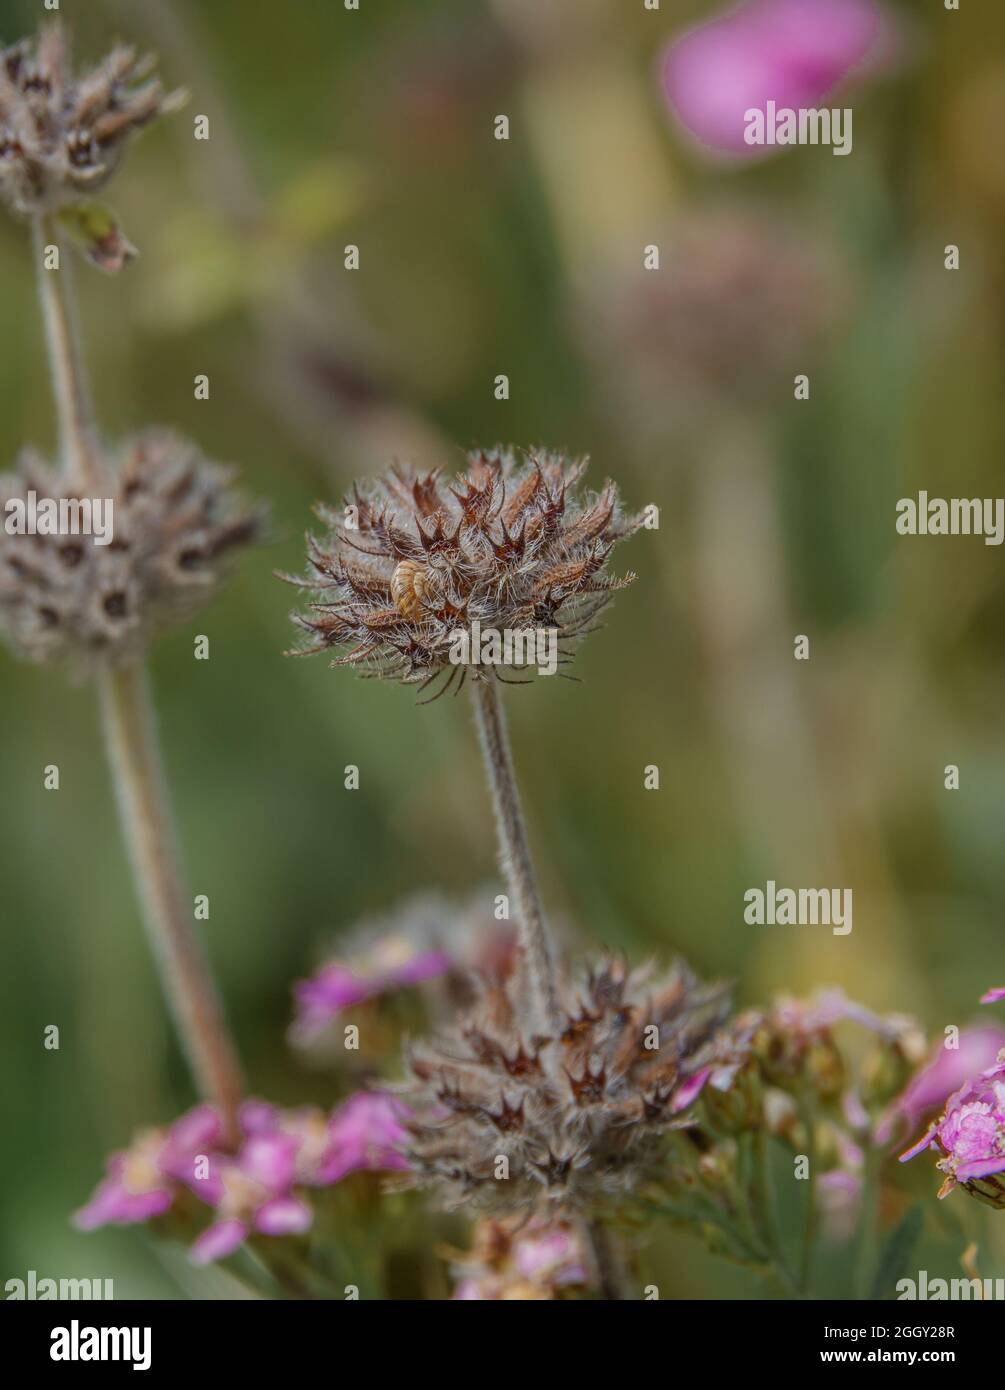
{"points": [[514, 851], [144, 813], [865, 1254], [131, 740], [765, 1201], [612, 1277], [77, 442], [807, 1109]]}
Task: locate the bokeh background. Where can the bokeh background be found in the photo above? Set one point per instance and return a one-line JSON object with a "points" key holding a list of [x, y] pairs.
{"points": [[525, 257]]}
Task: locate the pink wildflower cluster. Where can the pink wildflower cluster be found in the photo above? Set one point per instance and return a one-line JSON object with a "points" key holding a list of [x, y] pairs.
{"points": [[970, 1133], [260, 1185]]}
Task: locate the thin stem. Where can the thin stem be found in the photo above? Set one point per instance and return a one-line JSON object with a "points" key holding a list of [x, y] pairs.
{"points": [[865, 1254], [514, 851], [77, 442], [612, 1277], [131, 739], [807, 1109], [765, 1204]]}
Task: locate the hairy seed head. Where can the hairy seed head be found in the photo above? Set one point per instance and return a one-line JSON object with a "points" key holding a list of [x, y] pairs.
{"points": [[414, 561], [175, 524], [507, 1120], [61, 136]]}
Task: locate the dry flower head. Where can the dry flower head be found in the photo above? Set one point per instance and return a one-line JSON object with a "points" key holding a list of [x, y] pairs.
{"points": [[176, 524], [414, 560]]}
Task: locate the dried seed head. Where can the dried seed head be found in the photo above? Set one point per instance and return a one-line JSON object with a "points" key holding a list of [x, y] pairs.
{"points": [[61, 137], [508, 1121], [174, 526], [414, 562]]}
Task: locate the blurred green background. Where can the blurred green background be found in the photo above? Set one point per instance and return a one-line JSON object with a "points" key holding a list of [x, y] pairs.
{"points": [[524, 257]]}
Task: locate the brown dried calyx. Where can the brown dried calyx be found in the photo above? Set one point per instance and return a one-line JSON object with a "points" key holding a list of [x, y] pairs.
{"points": [[507, 1121], [175, 524], [61, 136], [413, 561]]}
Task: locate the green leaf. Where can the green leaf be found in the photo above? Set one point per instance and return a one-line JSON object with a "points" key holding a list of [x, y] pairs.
{"points": [[95, 229], [897, 1251]]}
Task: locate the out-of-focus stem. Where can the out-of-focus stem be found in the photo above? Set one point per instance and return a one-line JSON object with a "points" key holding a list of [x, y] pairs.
{"points": [[514, 849], [131, 739], [77, 442], [612, 1276], [807, 1109]]}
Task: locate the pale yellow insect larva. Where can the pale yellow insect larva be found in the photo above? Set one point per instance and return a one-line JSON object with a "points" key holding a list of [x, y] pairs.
{"points": [[411, 586]]}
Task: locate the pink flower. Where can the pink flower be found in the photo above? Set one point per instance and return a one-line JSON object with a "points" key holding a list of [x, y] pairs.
{"points": [[550, 1255], [945, 1072], [286, 1150], [255, 1196], [256, 1187], [993, 996], [337, 986], [520, 1261], [791, 52], [142, 1181], [365, 1133], [971, 1137]]}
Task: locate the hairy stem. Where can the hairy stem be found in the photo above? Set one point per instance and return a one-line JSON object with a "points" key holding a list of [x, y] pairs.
{"points": [[612, 1276], [514, 850], [131, 739], [77, 442]]}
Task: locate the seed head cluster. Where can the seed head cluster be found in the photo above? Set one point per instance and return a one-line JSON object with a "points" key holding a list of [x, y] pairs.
{"points": [[61, 137], [578, 1116], [176, 524], [413, 561]]}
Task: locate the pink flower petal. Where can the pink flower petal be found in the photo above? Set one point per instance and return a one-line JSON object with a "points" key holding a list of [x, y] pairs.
{"points": [[218, 1241], [689, 1090], [791, 52], [270, 1159], [923, 1143], [283, 1216]]}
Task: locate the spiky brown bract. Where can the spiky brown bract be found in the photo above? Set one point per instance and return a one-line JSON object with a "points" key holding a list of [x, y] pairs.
{"points": [[508, 543], [580, 1116], [176, 524], [61, 136]]}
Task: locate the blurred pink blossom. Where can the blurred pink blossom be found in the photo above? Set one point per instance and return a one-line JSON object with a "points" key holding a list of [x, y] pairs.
{"points": [[945, 1072], [256, 1186], [790, 52]]}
